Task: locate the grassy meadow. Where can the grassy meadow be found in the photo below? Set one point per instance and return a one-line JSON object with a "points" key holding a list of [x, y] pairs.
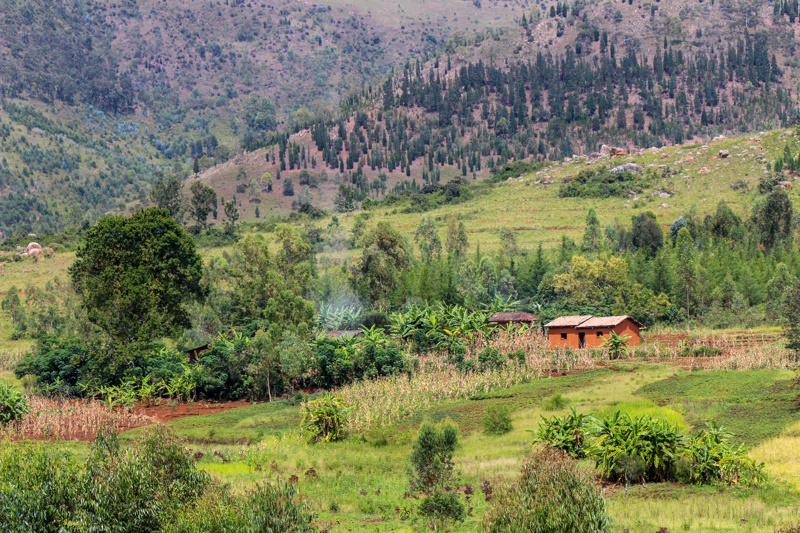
{"points": [[360, 484]]}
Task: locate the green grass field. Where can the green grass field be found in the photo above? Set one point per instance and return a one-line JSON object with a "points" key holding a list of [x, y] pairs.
{"points": [[360, 484]]}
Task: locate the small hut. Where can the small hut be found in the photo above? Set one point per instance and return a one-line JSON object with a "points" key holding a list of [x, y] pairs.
{"points": [[505, 319], [586, 331]]}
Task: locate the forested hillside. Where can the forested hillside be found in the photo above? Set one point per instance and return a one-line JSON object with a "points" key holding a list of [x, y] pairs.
{"points": [[101, 98]]}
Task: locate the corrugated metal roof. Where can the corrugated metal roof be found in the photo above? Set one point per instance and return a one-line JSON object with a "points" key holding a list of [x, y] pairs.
{"points": [[568, 321], [513, 316], [607, 321]]}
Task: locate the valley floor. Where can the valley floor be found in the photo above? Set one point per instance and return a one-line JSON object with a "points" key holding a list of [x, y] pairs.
{"points": [[361, 484]]}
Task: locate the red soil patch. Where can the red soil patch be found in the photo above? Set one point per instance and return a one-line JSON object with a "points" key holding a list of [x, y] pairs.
{"points": [[166, 413]]}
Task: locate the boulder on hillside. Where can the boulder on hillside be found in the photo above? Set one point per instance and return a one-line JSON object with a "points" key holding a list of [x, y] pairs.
{"points": [[33, 246], [723, 154], [618, 151], [785, 184], [627, 167]]}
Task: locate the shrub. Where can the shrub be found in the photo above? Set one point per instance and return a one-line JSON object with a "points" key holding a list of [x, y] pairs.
{"points": [[552, 495], [13, 404], [600, 183], [269, 507], [554, 402], [140, 488], [567, 433], [656, 442], [325, 419], [432, 471], [617, 345], [58, 365], [497, 420], [37, 489]]}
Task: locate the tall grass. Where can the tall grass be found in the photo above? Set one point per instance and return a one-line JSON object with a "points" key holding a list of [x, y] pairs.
{"points": [[10, 359], [381, 402]]}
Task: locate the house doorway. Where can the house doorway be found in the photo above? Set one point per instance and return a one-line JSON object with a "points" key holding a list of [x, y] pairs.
{"points": [[582, 340]]}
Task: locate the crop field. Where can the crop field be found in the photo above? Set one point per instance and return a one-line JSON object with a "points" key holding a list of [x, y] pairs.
{"points": [[360, 484]]}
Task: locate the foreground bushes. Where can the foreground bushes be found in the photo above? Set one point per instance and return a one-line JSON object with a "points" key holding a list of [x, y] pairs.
{"points": [[152, 485], [552, 496], [13, 405], [650, 449]]}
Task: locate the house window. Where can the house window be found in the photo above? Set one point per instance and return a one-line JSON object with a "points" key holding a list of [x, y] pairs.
{"points": [[564, 336], [600, 334]]}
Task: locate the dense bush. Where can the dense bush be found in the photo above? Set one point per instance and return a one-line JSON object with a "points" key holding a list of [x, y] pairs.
{"points": [[600, 183], [552, 496], [497, 420], [340, 360], [267, 508], [325, 418], [566, 433], [650, 449], [152, 485], [58, 365], [140, 488], [13, 405]]}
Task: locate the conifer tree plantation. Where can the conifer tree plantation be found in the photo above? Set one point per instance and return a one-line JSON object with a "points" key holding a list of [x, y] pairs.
{"points": [[359, 267]]}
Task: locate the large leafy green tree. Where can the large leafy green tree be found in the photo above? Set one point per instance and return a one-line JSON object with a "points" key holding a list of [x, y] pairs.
{"points": [[204, 200], [385, 255], [646, 234], [773, 217], [135, 277]]}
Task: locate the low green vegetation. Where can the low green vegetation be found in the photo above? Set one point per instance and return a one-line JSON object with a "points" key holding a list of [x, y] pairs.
{"points": [[150, 485], [13, 404], [552, 494]]}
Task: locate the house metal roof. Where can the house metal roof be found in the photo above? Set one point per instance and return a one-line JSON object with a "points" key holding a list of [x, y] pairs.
{"points": [[607, 321], [568, 321]]}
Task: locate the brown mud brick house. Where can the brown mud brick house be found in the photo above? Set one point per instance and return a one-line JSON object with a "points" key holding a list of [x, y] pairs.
{"points": [[578, 332], [518, 317], [561, 332]]}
